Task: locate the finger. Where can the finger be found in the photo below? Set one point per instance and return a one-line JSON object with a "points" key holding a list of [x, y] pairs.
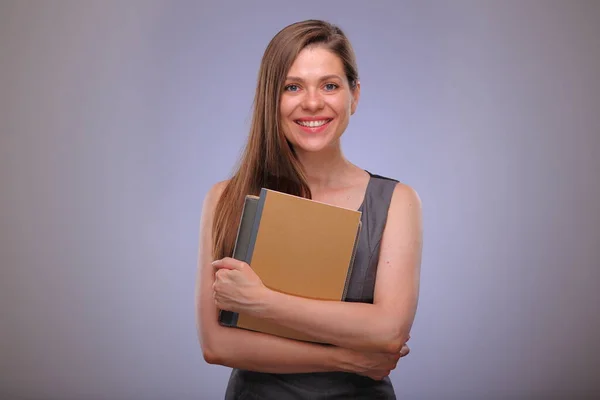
{"points": [[228, 263], [404, 351], [235, 264], [218, 284], [220, 273], [219, 267]]}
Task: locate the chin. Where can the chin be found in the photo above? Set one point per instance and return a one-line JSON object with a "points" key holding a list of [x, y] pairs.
{"points": [[309, 149], [312, 143]]}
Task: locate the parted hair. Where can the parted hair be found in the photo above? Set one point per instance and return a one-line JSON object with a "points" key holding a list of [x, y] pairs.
{"points": [[268, 159]]}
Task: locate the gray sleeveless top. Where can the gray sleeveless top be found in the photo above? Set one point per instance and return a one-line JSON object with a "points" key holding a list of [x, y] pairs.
{"points": [[249, 385]]}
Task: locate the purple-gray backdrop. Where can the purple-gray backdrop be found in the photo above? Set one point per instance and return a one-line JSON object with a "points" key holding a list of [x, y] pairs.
{"points": [[116, 117]]}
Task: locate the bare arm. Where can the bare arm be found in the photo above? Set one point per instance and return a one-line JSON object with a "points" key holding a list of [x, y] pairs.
{"points": [[238, 348], [382, 326]]}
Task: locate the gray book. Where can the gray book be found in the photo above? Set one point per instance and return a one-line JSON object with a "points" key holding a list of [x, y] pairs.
{"points": [[242, 245]]}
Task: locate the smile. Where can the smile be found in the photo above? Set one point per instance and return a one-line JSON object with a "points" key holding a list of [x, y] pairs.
{"points": [[313, 124]]}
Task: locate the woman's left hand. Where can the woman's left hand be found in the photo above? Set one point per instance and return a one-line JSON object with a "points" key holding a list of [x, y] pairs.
{"points": [[237, 288]]}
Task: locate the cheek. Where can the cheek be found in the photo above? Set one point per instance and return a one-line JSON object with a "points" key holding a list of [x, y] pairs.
{"points": [[286, 106], [342, 105], [285, 124]]}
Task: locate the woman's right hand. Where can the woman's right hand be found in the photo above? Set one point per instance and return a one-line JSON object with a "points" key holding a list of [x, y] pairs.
{"points": [[375, 365]]}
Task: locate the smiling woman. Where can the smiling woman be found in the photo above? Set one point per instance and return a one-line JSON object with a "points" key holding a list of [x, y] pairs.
{"points": [[307, 91], [316, 104]]}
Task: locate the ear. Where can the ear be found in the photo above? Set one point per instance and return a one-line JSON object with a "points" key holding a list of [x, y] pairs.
{"points": [[355, 97]]}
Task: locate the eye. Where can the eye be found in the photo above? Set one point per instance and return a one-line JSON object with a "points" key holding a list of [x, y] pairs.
{"points": [[330, 86], [291, 88]]}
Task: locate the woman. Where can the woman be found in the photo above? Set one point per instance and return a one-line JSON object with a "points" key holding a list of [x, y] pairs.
{"points": [[307, 90]]}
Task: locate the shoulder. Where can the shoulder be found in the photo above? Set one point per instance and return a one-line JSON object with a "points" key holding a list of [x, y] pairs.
{"points": [[404, 212], [405, 196], [214, 192], [402, 195], [404, 219], [212, 198]]}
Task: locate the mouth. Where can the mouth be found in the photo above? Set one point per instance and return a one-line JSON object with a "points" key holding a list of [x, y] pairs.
{"points": [[313, 126]]}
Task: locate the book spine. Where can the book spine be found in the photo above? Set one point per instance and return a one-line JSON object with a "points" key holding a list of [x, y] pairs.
{"points": [[351, 266], [244, 244], [254, 233]]}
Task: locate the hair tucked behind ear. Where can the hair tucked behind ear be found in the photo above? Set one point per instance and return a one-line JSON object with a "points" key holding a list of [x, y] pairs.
{"points": [[269, 160]]}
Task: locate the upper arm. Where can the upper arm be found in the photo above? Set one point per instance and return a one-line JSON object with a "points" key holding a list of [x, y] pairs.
{"points": [[398, 270], [206, 311]]}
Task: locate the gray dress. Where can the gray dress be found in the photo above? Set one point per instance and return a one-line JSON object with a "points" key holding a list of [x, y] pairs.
{"points": [[249, 385]]}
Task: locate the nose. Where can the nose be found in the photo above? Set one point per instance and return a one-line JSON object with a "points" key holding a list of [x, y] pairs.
{"points": [[313, 100]]}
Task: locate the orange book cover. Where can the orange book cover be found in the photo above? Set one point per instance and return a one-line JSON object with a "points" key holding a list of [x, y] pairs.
{"points": [[296, 246]]}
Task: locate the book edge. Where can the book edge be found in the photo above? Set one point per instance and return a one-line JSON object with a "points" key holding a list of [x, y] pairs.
{"points": [[352, 259], [229, 318]]}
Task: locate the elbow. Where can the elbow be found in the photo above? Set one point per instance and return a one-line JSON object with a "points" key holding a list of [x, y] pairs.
{"points": [[393, 340], [210, 356], [393, 345], [210, 351]]}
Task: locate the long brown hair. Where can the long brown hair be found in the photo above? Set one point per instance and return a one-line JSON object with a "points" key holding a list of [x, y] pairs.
{"points": [[269, 160]]}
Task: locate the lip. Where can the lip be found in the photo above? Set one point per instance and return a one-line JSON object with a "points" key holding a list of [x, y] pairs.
{"points": [[314, 130], [317, 118]]}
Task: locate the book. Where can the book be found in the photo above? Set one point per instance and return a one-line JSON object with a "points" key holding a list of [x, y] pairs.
{"points": [[297, 246]]}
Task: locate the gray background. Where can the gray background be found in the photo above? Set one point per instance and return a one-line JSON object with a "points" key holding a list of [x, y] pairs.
{"points": [[116, 118]]}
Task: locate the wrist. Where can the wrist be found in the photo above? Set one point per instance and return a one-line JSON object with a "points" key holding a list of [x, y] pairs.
{"points": [[265, 301], [343, 359]]}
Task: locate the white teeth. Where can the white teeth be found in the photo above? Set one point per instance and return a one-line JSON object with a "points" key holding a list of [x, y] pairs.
{"points": [[313, 124]]}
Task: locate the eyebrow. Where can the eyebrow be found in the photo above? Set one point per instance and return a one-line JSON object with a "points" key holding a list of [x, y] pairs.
{"points": [[323, 78]]}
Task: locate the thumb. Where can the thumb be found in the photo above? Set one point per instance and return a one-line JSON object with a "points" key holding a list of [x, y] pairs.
{"points": [[227, 263]]}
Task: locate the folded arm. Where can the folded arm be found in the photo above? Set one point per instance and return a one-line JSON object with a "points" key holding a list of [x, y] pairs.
{"points": [[254, 351], [239, 348], [382, 326]]}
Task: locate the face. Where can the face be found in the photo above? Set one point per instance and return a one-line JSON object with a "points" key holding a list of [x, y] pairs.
{"points": [[317, 100]]}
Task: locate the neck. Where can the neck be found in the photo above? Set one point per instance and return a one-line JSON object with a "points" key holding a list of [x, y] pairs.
{"points": [[325, 168]]}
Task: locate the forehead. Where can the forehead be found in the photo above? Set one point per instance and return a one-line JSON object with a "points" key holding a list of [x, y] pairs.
{"points": [[316, 61]]}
